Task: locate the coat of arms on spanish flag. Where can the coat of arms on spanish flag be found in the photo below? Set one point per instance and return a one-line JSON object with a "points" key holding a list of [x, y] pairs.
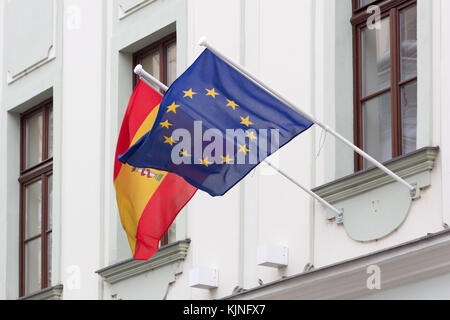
{"points": [[148, 199]]}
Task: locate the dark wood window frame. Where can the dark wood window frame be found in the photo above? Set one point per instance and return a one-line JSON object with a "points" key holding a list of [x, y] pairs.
{"points": [[39, 172], [161, 47], [359, 19], [158, 46]]}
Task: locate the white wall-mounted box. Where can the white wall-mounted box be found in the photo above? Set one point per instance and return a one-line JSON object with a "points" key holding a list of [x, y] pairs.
{"points": [[203, 278], [273, 256]]}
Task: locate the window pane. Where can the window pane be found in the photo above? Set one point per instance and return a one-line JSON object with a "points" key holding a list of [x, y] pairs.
{"points": [[366, 2], [376, 117], [172, 233], [49, 259], [408, 42], [50, 133], [376, 60], [171, 63], [33, 131], [409, 117], [33, 199], [33, 266], [151, 64], [50, 202]]}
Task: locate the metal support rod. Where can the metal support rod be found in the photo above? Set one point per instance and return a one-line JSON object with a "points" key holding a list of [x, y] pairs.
{"points": [[150, 80], [203, 42], [312, 194]]}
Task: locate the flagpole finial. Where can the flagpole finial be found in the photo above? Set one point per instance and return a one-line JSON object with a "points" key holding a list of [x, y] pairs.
{"points": [[203, 41], [138, 69]]}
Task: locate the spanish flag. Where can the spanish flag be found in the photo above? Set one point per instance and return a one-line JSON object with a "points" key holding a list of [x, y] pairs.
{"points": [[148, 200]]}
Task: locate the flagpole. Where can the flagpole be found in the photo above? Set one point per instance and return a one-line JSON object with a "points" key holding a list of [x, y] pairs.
{"points": [[151, 80], [148, 78], [203, 42]]}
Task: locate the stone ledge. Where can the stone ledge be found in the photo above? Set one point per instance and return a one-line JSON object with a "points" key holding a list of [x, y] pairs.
{"points": [[419, 161], [168, 254], [52, 293]]}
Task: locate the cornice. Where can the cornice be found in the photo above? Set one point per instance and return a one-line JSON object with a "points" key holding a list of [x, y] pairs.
{"points": [[419, 161], [52, 293], [169, 254]]}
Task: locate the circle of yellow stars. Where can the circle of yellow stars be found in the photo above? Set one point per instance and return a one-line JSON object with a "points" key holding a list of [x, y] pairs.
{"points": [[245, 121]]}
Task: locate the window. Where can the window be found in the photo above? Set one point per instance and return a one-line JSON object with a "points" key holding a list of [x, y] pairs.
{"points": [[385, 73], [36, 188], [160, 60]]}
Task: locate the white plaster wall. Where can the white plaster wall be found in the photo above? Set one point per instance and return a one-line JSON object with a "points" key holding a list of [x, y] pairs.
{"points": [[3, 168], [285, 63], [442, 103], [82, 156]]}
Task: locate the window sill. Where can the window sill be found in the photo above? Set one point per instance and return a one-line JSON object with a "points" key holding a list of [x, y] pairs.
{"points": [[374, 205], [166, 255], [52, 293], [405, 166]]}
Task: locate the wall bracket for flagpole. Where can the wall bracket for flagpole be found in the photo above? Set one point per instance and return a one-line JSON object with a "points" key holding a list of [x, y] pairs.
{"points": [[152, 81], [203, 42]]}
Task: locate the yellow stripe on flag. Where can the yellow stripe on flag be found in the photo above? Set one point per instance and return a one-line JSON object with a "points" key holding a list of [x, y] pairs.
{"points": [[133, 190]]}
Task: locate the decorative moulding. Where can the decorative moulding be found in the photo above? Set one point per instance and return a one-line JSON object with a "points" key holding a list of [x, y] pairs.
{"points": [[52, 293], [417, 162], [373, 204], [13, 76], [128, 7], [171, 253]]}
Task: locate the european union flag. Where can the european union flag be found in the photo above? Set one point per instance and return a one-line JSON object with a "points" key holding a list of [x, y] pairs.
{"points": [[214, 126]]}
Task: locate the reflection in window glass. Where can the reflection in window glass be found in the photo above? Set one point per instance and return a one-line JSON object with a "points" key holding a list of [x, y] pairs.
{"points": [[409, 117], [377, 132], [50, 133], [151, 64], [33, 266], [50, 202], [49, 259], [365, 2], [33, 145], [408, 42], [33, 205], [171, 63], [376, 60]]}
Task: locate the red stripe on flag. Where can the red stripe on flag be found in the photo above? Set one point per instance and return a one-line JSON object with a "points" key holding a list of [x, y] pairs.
{"points": [[171, 196], [143, 100]]}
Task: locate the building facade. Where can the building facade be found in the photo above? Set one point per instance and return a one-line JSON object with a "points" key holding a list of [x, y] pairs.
{"points": [[375, 71]]}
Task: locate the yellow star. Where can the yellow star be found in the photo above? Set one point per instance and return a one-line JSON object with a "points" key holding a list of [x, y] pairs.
{"points": [[184, 153], [173, 108], [170, 141], [250, 135], [212, 93], [246, 121], [205, 162], [166, 124], [232, 104], [189, 93], [243, 149], [227, 159]]}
